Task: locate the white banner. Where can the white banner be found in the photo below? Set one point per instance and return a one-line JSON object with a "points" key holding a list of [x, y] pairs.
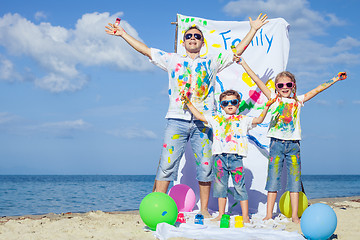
{"points": [[267, 55]]}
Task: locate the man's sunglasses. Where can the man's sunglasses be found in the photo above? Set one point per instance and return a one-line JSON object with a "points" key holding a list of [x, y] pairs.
{"points": [[233, 102], [288, 85], [196, 36]]}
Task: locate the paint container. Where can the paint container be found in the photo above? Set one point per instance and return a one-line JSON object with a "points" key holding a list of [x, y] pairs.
{"points": [[181, 218], [233, 49], [117, 22], [199, 219], [225, 221], [239, 222]]}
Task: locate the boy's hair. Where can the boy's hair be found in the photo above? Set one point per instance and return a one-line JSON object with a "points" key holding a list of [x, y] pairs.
{"points": [[194, 27], [292, 78], [230, 93]]}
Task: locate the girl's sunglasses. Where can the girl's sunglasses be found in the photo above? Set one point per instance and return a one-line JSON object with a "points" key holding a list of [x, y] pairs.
{"points": [[233, 102], [288, 85], [196, 36]]}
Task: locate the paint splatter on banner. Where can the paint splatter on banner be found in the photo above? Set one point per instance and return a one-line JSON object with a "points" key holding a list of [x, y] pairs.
{"points": [[267, 55]]}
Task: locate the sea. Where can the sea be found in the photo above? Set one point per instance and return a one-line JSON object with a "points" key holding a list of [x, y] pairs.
{"points": [[42, 194]]}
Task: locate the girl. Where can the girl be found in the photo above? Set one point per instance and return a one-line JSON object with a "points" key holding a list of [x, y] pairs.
{"points": [[285, 134]]}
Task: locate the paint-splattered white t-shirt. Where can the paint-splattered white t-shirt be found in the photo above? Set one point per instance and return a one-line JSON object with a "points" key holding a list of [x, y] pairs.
{"points": [[194, 77], [230, 133], [285, 118]]}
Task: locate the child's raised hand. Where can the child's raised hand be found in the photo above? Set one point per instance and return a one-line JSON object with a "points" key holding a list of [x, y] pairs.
{"points": [[184, 98], [271, 101], [237, 59], [341, 76], [259, 22], [114, 29]]}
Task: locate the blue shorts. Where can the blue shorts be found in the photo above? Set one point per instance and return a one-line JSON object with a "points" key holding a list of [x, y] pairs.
{"points": [[281, 151], [229, 164], [177, 133]]}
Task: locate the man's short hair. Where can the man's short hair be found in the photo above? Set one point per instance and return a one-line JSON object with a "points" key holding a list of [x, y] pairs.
{"points": [[230, 93], [194, 27]]}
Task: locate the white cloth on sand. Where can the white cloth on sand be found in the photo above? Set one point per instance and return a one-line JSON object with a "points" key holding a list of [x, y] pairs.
{"points": [[193, 231], [257, 229]]}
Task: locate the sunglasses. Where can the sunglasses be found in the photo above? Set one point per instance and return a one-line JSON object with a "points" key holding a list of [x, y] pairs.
{"points": [[233, 102], [196, 36], [288, 85]]}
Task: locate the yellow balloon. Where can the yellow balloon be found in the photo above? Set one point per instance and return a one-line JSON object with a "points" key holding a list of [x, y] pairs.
{"points": [[285, 204]]}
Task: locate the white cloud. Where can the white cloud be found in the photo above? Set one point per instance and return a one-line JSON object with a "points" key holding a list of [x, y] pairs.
{"points": [[40, 15], [308, 57], [65, 125], [58, 83], [321, 102], [297, 12], [357, 102], [60, 51], [131, 106], [7, 72], [347, 43], [133, 133], [10, 123], [63, 129], [6, 117]]}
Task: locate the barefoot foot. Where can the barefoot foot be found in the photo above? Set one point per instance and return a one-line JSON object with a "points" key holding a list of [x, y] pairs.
{"points": [[206, 214], [295, 220], [246, 219], [267, 218], [218, 218]]}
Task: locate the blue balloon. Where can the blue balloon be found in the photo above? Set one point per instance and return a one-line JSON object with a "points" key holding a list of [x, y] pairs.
{"points": [[318, 222]]}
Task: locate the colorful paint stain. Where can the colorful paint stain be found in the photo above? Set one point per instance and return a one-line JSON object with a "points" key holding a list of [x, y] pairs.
{"points": [[275, 163], [238, 173], [194, 82], [176, 136], [284, 116], [270, 84], [255, 96], [247, 79], [199, 21], [246, 106], [295, 167], [219, 169], [170, 149], [228, 134]]}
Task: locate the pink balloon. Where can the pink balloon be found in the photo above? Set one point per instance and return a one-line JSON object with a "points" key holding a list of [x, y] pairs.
{"points": [[183, 196]]}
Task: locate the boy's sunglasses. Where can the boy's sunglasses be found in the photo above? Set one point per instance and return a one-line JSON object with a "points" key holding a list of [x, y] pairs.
{"points": [[233, 102], [196, 36], [288, 85]]}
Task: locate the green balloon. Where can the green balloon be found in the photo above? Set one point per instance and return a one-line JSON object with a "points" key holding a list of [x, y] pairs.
{"points": [[156, 208]]}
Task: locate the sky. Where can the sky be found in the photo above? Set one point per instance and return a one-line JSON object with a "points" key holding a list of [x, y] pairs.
{"points": [[74, 100]]}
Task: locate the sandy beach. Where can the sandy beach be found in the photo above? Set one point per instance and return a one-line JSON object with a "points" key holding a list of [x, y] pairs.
{"points": [[128, 225]]}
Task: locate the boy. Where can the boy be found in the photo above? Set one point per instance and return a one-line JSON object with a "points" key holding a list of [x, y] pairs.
{"points": [[229, 147]]}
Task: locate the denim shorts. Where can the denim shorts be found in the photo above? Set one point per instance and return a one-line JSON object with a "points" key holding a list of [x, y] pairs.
{"points": [[281, 151], [177, 133], [229, 164]]}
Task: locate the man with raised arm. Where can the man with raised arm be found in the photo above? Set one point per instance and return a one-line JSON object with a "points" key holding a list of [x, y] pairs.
{"points": [[193, 75]]}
